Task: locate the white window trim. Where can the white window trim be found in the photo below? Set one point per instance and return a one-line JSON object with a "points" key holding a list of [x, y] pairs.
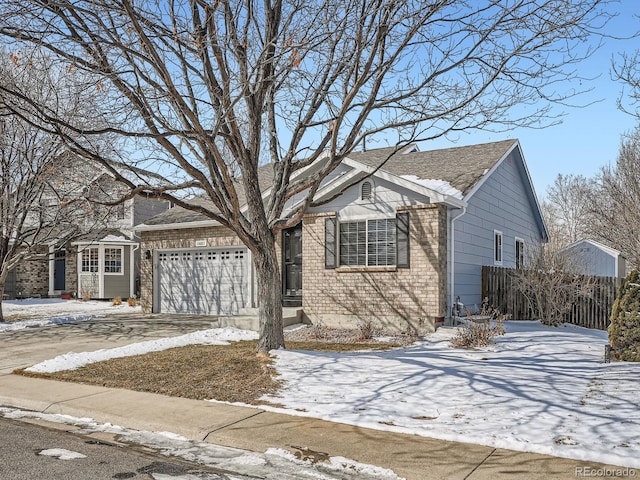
{"points": [[497, 261], [515, 251], [81, 253], [104, 259]]}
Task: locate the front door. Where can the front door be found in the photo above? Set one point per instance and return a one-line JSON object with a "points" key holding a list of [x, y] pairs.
{"points": [[59, 270], [292, 266]]}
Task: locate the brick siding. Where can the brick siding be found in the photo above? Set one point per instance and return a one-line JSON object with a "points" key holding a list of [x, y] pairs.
{"points": [[32, 276], [71, 269], [399, 298]]}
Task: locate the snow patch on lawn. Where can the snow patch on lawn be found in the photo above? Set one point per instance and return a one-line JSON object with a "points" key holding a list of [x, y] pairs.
{"points": [[72, 360]]}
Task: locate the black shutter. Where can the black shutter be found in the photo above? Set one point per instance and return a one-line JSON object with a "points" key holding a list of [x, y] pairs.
{"points": [[402, 239], [330, 242]]}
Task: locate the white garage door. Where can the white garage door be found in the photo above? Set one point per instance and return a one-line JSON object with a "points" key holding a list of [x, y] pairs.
{"points": [[208, 282]]}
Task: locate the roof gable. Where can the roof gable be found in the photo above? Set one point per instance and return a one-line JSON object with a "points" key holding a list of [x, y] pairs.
{"points": [[611, 251], [461, 167]]}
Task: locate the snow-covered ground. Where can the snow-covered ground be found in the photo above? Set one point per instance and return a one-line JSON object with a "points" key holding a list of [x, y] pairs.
{"points": [[539, 389], [39, 312]]}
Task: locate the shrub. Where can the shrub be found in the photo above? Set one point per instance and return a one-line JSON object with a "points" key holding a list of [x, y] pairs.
{"points": [[117, 301], [367, 329], [132, 302], [480, 330], [624, 330], [552, 281], [86, 294]]}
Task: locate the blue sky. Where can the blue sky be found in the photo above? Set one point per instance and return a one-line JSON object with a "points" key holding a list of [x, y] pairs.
{"points": [[588, 137]]}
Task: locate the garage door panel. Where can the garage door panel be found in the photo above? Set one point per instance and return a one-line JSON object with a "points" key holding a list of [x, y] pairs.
{"points": [[203, 282]]}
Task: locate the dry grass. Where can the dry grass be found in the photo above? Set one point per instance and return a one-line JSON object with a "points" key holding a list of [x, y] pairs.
{"points": [[17, 317], [230, 373]]}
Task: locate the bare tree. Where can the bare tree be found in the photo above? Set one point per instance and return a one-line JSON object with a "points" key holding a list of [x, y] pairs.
{"points": [[44, 191], [567, 209], [552, 281], [616, 203], [626, 69], [207, 91]]}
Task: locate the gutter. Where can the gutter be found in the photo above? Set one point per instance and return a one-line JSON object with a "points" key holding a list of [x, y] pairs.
{"points": [[176, 226]]}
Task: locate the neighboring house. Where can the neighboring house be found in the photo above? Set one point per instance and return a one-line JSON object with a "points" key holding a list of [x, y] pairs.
{"points": [[593, 258], [394, 241], [102, 261]]}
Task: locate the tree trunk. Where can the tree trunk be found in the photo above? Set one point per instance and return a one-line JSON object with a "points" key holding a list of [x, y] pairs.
{"points": [[269, 298], [2, 283]]}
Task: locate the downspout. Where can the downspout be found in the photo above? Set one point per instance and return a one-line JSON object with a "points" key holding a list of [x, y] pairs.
{"points": [[453, 259]]}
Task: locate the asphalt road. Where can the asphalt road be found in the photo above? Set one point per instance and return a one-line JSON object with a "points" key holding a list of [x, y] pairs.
{"points": [[32, 452]]}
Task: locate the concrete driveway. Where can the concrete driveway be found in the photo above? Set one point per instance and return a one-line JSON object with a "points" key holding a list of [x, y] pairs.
{"points": [[24, 348]]}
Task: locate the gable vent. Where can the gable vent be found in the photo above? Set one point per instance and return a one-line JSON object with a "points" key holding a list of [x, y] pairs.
{"points": [[365, 191]]}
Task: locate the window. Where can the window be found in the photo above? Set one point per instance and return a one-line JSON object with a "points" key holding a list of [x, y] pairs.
{"points": [[519, 253], [353, 243], [89, 260], [119, 211], [497, 247], [113, 260], [368, 243], [380, 242]]}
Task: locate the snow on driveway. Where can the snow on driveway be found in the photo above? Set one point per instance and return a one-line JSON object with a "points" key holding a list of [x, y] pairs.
{"points": [[40, 312]]}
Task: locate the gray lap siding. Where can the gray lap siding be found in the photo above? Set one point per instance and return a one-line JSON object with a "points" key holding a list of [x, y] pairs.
{"points": [[502, 204]]}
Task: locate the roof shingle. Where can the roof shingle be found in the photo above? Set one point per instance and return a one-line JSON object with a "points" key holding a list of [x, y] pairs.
{"points": [[462, 167]]}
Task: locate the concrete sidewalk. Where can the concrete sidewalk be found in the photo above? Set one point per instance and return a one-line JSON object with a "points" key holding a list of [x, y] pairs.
{"points": [[409, 456]]}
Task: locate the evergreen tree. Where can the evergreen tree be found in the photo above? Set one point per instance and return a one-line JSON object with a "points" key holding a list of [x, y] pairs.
{"points": [[624, 331]]}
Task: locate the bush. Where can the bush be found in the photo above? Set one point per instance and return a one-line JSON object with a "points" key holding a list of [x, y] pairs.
{"points": [[624, 330], [552, 281], [367, 329], [86, 294], [132, 302], [480, 330], [117, 301]]}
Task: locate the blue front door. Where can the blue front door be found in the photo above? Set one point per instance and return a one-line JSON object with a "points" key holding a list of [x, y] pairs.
{"points": [[59, 270]]}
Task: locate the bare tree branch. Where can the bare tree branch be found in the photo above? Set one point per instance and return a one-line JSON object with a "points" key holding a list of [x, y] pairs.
{"points": [[204, 93]]}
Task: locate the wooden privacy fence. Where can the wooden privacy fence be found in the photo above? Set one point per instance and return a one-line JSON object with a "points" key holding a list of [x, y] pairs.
{"points": [[499, 285]]}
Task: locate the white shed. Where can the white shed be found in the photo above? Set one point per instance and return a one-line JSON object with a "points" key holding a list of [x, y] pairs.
{"points": [[598, 259]]}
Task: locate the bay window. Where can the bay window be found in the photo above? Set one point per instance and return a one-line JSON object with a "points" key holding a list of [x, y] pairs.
{"points": [[89, 260]]}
